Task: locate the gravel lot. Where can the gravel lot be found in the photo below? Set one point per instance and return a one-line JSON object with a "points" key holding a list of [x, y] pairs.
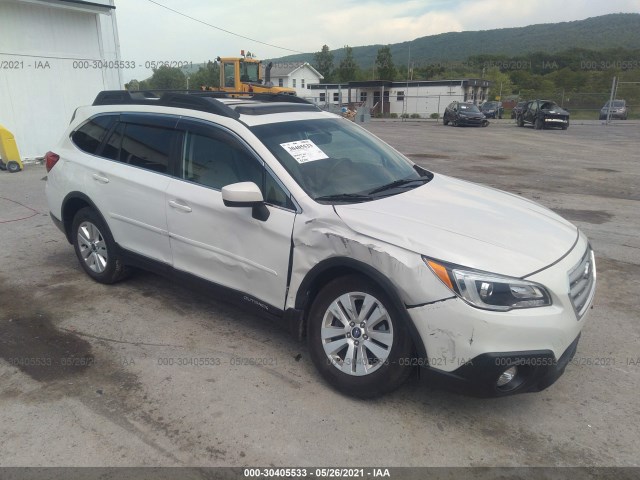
{"points": [[252, 396]]}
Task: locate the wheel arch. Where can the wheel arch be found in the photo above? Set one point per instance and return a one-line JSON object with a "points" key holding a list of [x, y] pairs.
{"points": [[336, 267], [72, 203]]}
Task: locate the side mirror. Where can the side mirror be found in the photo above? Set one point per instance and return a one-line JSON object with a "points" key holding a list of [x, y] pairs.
{"points": [[246, 194]]}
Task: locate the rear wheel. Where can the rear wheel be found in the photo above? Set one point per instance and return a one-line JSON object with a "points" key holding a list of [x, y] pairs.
{"points": [[445, 121], [95, 248], [357, 339], [520, 121]]}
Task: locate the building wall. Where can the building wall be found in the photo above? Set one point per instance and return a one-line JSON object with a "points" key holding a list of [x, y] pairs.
{"points": [[53, 49], [306, 74], [410, 99]]}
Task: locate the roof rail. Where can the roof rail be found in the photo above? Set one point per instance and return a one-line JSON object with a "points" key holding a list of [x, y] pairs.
{"points": [[195, 100], [203, 100], [279, 97]]}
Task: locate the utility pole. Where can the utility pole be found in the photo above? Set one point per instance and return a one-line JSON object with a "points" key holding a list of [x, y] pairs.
{"points": [[611, 97]]}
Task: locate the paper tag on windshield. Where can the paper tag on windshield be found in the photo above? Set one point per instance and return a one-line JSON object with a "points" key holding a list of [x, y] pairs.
{"points": [[304, 151]]}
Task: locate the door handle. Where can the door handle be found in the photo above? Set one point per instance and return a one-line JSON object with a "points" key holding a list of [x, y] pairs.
{"points": [[179, 206], [100, 178]]}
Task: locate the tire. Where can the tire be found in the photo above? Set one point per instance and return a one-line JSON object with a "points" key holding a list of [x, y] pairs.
{"points": [[564, 127], [383, 338], [520, 121], [445, 121], [538, 123], [95, 248], [13, 167], [454, 123]]}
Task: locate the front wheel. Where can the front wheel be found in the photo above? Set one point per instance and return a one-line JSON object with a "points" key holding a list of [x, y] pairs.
{"points": [[539, 123], [445, 121], [13, 167], [95, 248], [520, 121], [357, 339]]}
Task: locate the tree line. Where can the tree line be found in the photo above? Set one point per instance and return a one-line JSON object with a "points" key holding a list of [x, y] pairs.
{"points": [[579, 76]]}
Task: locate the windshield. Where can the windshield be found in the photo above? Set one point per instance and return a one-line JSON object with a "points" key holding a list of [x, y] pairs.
{"points": [[489, 105], [334, 160], [550, 106], [468, 107], [616, 104]]}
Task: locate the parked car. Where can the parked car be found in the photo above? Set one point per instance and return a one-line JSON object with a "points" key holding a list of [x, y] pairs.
{"points": [[618, 110], [308, 218], [518, 109], [464, 114], [492, 109], [543, 114]]}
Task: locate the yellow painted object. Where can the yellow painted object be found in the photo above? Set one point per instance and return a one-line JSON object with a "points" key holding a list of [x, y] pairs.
{"points": [[9, 151]]}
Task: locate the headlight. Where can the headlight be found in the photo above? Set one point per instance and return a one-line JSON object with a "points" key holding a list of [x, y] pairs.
{"points": [[489, 291]]}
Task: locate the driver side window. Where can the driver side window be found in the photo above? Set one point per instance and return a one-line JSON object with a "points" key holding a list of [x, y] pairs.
{"points": [[214, 158]]}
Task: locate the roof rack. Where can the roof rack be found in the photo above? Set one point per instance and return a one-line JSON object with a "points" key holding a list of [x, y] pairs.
{"points": [[202, 100], [193, 101]]}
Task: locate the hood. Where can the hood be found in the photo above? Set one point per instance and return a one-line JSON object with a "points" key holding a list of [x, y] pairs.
{"points": [[471, 114], [466, 224]]}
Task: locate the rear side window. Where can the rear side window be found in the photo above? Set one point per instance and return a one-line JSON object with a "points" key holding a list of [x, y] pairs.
{"points": [[90, 135], [144, 146]]}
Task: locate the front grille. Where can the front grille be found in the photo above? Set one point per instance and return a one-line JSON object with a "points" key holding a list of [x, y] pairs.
{"points": [[582, 283]]}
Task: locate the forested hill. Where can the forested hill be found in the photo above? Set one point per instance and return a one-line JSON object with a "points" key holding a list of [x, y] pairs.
{"points": [[619, 30]]}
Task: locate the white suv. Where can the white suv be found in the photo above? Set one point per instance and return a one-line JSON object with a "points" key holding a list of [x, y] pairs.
{"points": [[307, 217]]}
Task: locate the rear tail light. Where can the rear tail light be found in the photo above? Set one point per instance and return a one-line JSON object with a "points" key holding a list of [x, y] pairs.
{"points": [[50, 159]]}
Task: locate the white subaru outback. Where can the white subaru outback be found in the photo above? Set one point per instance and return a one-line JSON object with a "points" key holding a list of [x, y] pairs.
{"points": [[305, 216]]}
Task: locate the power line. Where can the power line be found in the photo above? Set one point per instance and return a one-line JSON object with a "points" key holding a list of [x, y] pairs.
{"points": [[222, 29]]}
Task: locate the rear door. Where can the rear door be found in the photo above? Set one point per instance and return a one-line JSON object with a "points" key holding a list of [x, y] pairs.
{"points": [[129, 182], [227, 245]]}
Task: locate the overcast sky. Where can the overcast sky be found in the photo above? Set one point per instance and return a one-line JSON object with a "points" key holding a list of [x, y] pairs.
{"points": [[150, 32]]}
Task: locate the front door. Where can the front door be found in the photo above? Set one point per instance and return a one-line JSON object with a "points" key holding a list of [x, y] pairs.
{"points": [[227, 245]]}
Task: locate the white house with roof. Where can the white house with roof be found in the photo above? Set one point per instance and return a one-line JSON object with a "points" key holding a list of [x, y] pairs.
{"points": [[422, 97], [55, 56], [296, 75]]}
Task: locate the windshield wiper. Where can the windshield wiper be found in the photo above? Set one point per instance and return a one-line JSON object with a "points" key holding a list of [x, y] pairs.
{"points": [[344, 197], [398, 183]]}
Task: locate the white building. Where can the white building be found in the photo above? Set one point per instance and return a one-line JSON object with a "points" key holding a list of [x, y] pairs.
{"points": [[294, 75], [422, 97], [55, 55]]}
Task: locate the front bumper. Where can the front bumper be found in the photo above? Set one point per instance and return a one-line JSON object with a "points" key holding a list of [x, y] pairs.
{"points": [[559, 121], [536, 370], [473, 347], [471, 121]]}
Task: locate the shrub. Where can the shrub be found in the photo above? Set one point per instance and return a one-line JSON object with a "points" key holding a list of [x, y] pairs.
{"points": [[404, 115], [415, 115], [393, 115], [434, 115]]}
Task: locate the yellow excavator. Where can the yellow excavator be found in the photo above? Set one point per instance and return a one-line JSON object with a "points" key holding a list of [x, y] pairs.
{"points": [[244, 74]]}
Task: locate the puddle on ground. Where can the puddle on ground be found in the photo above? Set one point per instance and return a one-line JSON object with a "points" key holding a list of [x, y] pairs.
{"points": [[33, 345], [596, 217], [30, 342]]}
